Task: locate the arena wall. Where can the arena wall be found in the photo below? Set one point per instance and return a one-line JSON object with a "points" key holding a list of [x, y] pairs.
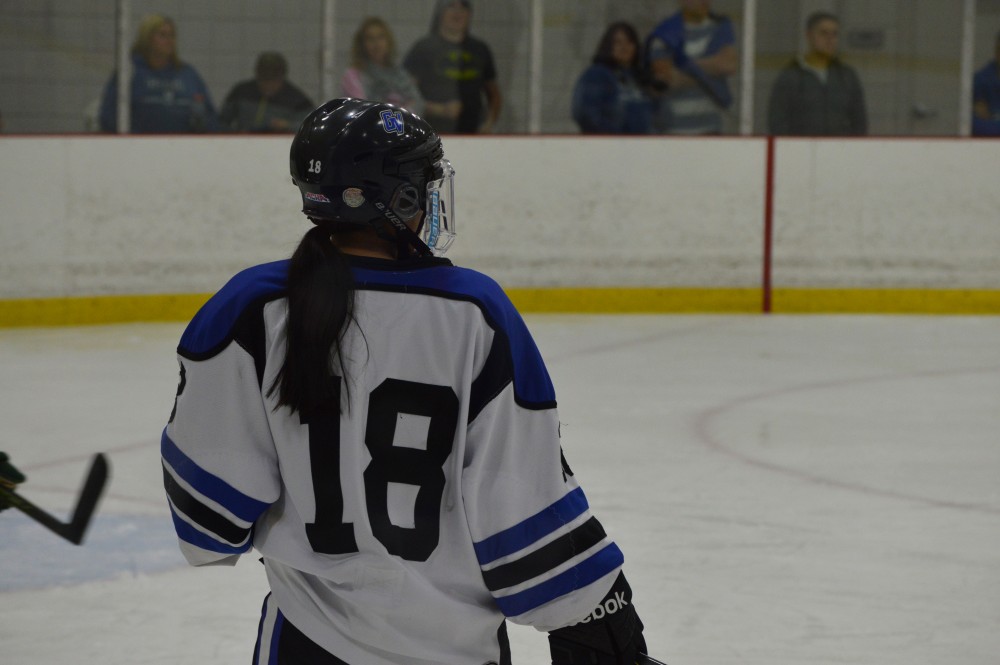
{"points": [[125, 228]]}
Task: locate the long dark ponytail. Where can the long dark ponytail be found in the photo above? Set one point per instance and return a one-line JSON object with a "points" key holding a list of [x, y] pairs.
{"points": [[320, 307]]}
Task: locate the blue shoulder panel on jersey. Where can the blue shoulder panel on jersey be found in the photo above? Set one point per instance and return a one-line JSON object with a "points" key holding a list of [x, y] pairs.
{"points": [[531, 379], [214, 322]]}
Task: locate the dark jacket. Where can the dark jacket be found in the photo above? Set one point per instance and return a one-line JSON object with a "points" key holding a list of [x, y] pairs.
{"points": [[609, 100], [803, 105], [247, 110]]}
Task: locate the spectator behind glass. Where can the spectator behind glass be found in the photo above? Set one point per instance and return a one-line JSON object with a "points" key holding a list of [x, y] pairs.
{"points": [[608, 97], [374, 74], [692, 52], [986, 97], [268, 102], [167, 95], [454, 72], [817, 94]]}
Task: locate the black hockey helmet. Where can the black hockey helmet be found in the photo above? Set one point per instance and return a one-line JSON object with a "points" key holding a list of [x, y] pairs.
{"points": [[368, 163]]}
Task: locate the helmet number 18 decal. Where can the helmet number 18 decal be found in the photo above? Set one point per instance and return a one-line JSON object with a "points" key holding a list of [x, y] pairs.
{"points": [[315, 166]]}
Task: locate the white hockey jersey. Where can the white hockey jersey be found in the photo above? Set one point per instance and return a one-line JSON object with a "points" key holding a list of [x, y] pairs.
{"points": [[438, 503]]}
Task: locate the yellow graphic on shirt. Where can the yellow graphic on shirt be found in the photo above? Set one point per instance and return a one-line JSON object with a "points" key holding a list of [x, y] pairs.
{"points": [[461, 67]]}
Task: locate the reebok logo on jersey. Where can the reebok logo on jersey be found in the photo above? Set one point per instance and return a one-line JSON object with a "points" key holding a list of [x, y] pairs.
{"points": [[608, 607], [392, 121]]}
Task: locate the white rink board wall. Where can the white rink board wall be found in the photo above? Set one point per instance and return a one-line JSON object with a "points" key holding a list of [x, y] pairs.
{"points": [[123, 215], [126, 215], [610, 211], [85, 216], [896, 213]]}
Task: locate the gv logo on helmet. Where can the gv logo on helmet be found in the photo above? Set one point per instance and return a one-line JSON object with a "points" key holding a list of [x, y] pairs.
{"points": [[392, 121]]}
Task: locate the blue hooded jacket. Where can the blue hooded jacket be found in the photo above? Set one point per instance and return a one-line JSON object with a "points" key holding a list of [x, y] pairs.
{"points": [[164, 101], [609, 100]]}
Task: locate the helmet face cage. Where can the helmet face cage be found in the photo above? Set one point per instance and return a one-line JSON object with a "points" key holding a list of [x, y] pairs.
{"points": [[367, 163], [438, 230]]}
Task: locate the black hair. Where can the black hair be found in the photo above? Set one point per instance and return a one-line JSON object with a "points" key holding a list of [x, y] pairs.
{"points": [[602, 56], [439, 8], [817, 17], [271, 65], [320, 308]]}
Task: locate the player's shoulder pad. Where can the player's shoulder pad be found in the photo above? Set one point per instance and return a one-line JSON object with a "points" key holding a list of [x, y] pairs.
{"points": [[532, 383], [213, 326], [444, 280]]}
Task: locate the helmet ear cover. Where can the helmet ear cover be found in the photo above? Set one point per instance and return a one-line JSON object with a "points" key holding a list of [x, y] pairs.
{"points": [[407, 202]]}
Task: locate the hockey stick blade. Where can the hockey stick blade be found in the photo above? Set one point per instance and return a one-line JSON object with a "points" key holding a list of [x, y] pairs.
{"points": [[74, 530]]}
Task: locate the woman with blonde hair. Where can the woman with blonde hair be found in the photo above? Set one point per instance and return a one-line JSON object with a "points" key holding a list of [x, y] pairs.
{"points": [[167, 95], [374, 74]]}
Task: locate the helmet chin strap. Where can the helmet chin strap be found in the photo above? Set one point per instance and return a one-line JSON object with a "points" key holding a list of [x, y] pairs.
{"points": [[404, 205], [394, 229]]}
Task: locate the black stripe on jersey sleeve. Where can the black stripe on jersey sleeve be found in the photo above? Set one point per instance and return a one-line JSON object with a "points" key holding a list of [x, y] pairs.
{"points": [[202, 514], [546, 558], [495, 375]]}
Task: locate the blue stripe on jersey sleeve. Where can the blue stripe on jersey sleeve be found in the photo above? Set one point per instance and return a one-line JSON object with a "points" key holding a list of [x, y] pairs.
{"points": [[189, 534], [586, 572], [214, 322], [244, 507], [531, 379], [533, 529]]}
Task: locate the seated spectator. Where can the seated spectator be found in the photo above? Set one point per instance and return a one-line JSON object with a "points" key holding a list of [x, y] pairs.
{"points": [[167, 95], [693, 52], [268, 102], [455, 72], [817, 94], [608, 97], [374, 74], [986, 97]]}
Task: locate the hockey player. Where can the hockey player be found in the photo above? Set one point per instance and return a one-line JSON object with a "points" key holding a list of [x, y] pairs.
{"points": [[10, 478], [379, 425]]}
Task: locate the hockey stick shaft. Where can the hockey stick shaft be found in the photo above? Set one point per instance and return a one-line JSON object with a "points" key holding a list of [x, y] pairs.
{"points": [[86, 504]]}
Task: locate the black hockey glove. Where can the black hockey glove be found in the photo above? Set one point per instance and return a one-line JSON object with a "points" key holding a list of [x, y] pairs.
{"points": [[611, 635], [9, 478]]}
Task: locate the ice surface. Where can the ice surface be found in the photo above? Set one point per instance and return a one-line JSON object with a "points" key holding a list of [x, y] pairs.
{"points": [[787, 491]]}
